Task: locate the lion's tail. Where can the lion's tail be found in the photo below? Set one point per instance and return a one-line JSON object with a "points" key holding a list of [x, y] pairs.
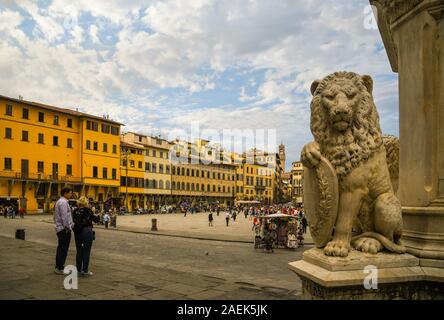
{"points": [[389, 245]]}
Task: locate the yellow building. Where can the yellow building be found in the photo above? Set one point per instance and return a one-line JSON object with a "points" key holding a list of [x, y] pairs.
{"points": [[156, 168], [254, 182], [132, 175], [44, 148], [202, 174], [272, 162], [287, 186], [297, 173]]}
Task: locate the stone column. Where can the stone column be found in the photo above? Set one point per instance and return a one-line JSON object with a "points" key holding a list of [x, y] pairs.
{"points": [[413, 35]]}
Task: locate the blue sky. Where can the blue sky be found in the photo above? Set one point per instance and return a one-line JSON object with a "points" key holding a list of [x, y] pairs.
{"points": [[159, 66]]}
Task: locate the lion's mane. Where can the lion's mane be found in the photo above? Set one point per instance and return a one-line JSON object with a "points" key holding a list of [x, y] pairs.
{"points": [[349, 149]]}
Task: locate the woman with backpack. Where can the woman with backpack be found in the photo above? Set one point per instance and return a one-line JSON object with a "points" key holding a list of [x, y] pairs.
{"points": [[83, 219]]}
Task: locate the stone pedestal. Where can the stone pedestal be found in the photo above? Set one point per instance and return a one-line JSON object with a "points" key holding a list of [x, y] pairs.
{"points": [[397, 276], [413, 35]]}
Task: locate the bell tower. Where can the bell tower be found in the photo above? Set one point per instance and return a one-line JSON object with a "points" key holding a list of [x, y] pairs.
{"points": [[282, 156]]}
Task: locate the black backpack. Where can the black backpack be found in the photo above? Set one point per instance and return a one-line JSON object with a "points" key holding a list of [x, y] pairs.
{"points": [[80, 219]]}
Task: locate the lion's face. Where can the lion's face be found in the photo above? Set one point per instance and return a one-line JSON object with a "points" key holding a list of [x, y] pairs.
{"points": [[340, 99], [344, 120]]}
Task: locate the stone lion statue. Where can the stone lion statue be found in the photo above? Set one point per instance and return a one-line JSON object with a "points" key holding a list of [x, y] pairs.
{"points": [[345, 126]]}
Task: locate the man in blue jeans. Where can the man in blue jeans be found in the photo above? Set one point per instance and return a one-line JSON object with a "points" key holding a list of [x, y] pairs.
{"points": [[63, 225]]}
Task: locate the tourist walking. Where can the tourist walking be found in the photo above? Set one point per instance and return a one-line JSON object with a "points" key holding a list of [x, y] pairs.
{"points": [[5, 212], [268, 241], [254, 223], [304, 223], [227, 217], [234, 214], [210, 219], [113, 220], [11, 212], [83, 218], [106, 219], [22, 212], [63, 225]]}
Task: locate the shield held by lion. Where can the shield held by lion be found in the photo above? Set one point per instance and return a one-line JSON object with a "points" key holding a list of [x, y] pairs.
{"points": [[351, 170]]}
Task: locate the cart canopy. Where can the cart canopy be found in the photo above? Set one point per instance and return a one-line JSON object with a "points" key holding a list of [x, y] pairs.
{"points": [[247, 202], [278, 216]]}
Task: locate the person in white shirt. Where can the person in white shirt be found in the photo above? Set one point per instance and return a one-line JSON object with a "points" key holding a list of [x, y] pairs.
{"points": [[63, 225], [106, 219]]}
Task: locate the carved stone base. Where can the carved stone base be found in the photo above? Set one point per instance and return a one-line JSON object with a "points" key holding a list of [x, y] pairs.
{"points": [[423, 233], [421, 290], [398, 277]]}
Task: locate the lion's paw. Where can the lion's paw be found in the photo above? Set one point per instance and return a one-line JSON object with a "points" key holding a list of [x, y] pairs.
{"points": [[368, 245], [337, 248]]}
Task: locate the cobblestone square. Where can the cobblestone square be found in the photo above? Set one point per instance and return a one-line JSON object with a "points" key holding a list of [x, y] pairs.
{"points": [[134, 265]]}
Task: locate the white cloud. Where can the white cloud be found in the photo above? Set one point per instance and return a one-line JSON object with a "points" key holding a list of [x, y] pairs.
{"points": [[244, 97], [93, 33], [46, 26], [77, 34]]}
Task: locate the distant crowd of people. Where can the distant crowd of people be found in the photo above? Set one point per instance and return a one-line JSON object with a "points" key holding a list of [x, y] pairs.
{"points": [[11, 211], [253, 212]]}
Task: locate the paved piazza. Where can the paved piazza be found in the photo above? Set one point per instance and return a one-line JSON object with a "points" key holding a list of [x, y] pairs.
{"points": [[135, 265], [194, 226]]}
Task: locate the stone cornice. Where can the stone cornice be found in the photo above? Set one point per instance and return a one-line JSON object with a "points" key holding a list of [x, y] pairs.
{"points": [[392, 13], [393, 9], [437, 10]]}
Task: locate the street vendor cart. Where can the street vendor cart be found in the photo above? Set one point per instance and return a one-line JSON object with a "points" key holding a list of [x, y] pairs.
{"points": [[281, 228]]}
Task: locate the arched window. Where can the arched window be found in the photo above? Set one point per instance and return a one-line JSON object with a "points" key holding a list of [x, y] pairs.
{"points": [[223, 189], [154, 184], [192, 187], [202, 187], [214, 188], [173, 185], [229, 189], [208, 188], [183, 171], [188, 172], [183, 185], [168, 184], [192, 172], [197, 185], [188, 186], [161, 184]]}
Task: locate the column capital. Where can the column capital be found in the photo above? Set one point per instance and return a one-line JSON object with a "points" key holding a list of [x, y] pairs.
{"points": [[437, 11], [393, 13], [394, 9]]}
